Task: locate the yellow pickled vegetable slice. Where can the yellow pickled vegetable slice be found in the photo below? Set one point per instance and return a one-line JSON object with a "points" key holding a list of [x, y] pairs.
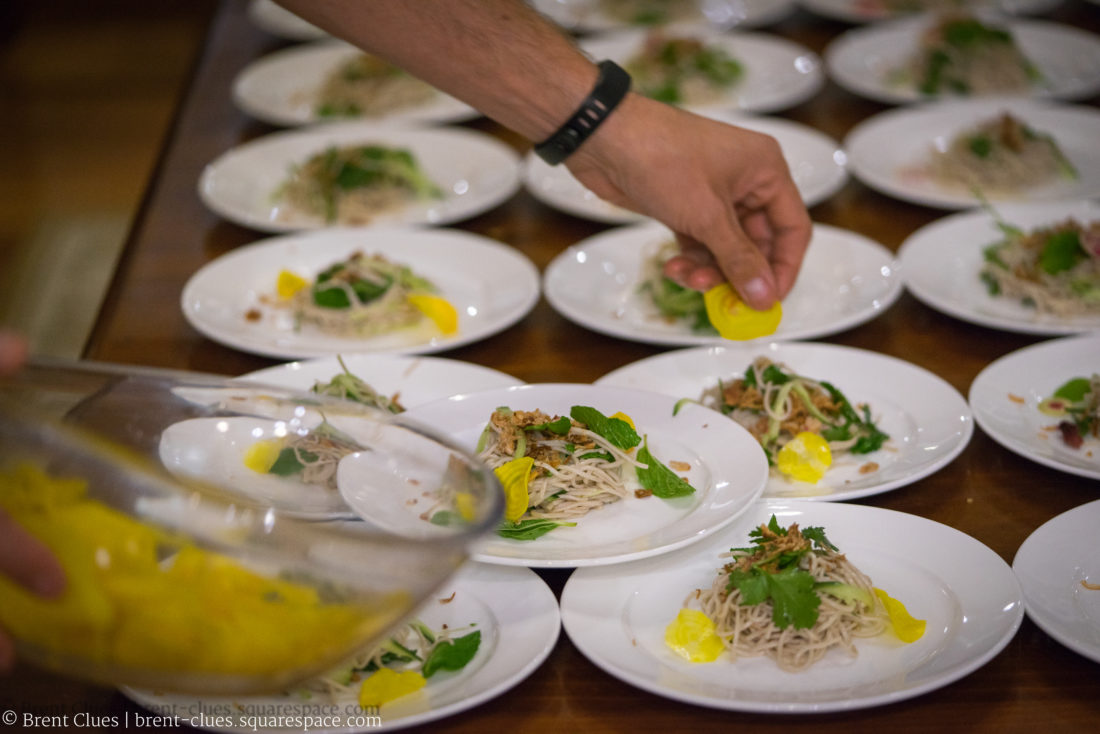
{"points": [[386, 685], [288, 284], [466, 506], [261, 455], [734, 319], [691, 636], [514, 476], [438, 309], [906, 627], [806, 457]]}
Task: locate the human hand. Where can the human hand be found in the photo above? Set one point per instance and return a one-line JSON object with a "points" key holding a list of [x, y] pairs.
{"points": [[725, 191]]}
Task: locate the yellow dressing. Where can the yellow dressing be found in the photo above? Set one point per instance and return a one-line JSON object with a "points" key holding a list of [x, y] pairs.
{"points": [[514, 476], [438, 309], [691, 636], [806, 457], [734, 319], [385, 685], [905, 626]]}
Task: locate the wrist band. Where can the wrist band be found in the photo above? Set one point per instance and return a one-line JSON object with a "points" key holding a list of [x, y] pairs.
{"points": [[611, 86]]}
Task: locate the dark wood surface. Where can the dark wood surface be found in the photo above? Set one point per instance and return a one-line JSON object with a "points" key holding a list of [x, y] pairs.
{"points": [[993, 495]]}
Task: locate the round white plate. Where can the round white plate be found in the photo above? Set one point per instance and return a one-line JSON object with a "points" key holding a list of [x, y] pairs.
{"points": [[863, 60], [867, 11], [941, 263], [1005, 398], [278, 21], [281, 89], [779, 74], [519, 622], [414, 380], [491, 285], [728, 471], [475, 172], [890, 150], [1050, 565], [587, 16], [846, 279], [816, 162], [928, 421], [966, 593]]}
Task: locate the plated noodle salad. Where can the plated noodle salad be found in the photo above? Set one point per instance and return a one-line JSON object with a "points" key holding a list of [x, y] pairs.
{"points": [[1053, 268], [352, 184], [683, 70], [800, 422], [650, 12], [963, 55], [366, 86], [790, 595], [1077, 404], [363, 296], [556, 469], [1002, 154]]}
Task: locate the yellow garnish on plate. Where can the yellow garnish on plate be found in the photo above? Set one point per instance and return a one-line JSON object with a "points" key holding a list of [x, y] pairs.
{"points": [[625, 419], [438, 309], [386, 685], [691, 636], [466, 506], [734, 319], [514, 476], [261, 456], [288, 284], [806, 457], [906, 627]]}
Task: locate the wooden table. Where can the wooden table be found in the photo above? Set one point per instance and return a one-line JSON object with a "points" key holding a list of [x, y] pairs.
{"points": [[993, 495]]}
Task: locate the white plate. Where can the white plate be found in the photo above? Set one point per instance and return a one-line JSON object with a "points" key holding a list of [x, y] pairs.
{"points": [[1050, 565], [866, 11], [864, 59], [816, 162], [281, 89], [928, 421], [728, 471], [941, 263], [779, 74], [967, 594], [889, 151], [846, 279], [278, 21], [475, 172], [1005, 397], [519, 622], [415, 380], [490, 284], [587, 16]]}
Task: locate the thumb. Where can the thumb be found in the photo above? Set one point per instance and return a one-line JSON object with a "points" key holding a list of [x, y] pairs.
{"points": [[742, 263]]}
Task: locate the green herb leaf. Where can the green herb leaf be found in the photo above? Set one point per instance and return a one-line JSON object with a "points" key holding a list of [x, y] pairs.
{"points": [[1061, 252], [659, 479], [618, 432], [452, 654], [1075, 390], [288, 463], [817, 535], [561, 426], [529, 529]]}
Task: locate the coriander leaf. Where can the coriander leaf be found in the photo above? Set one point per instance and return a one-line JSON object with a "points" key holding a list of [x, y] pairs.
{"points": [[752, 585], [452, 654], [775, 376], [560, 426], [529, 529], [817, 535], [617, 432], [658, 478], [793, 598]]}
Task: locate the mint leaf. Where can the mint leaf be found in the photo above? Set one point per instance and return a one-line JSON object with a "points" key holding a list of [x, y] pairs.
{"points": [[529, 529], [560, 426], [288, 463], [452, 654], [1074, 391], [618, 432], [659, 479], [1061, 252]]}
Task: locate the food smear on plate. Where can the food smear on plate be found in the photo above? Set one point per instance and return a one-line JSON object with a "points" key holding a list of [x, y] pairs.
{"points": [[141, 598], [1054, 269], [364, 296], [349, 386], [311, 456], [557, 469], [366, 86], [809, 419], [1001, 155], [351, 185], [790, 595], [962, 55], [683, 70], [1077, 404]]}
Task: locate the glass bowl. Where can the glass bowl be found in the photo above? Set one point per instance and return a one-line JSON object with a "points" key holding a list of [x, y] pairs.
{"points": [[201, 529]]}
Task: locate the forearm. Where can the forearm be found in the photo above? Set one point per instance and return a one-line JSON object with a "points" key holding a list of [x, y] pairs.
{"points": [[499, 56]]}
